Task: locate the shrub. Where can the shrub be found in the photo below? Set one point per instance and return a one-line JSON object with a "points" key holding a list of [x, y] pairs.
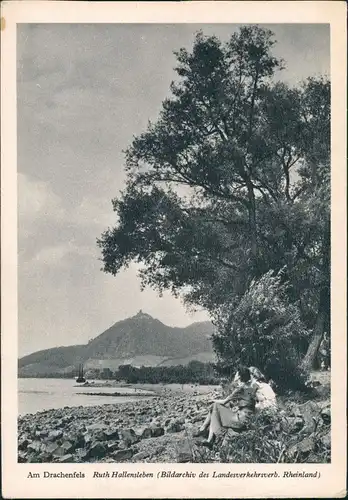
{"points": [[286, 372], [264, 329]]}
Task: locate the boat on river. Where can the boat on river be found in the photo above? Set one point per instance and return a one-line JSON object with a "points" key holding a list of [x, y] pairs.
{"points": [[80, 379]]}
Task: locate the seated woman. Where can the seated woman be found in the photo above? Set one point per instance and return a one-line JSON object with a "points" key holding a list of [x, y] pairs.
{"points": [[265, 396], [235, 410]]}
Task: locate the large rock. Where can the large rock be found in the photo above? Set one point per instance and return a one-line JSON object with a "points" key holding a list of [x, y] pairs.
{"points": [[97, 450], [96, 427], [65, 459], [156, 431], [292, 424], [326, 440], [121, 455], [34, 459], [45, 457], [68, 419], [59, 452], [82, 455], [22, 444], [111, 434], [183, 452], [141, 455], [67, 446], [22, 457], [51, 448], [128, 436], [143, 432], [88, 439], [78, 440], [41, 434], [112, 446], [310, 413], [99, 436], [302, 449], [326, 415], [175, 426], [54, 435], [34, 446]]}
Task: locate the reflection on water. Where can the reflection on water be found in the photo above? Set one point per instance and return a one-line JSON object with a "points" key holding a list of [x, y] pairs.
{"points": [[39, 394]]}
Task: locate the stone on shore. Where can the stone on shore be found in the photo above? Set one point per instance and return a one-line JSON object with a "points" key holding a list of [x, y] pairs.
{"points": [[23, 444], [148, 430], [111, 434], [141, 455], [55, 434], [65, 459], [51, 448], [34, 446], [97, 450], [175, 426], [184, 452], [128, 436], [120, 455], [157, 431]]}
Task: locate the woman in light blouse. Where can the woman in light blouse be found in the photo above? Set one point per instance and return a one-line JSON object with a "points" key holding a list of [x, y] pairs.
{"points": [[235, 410]]}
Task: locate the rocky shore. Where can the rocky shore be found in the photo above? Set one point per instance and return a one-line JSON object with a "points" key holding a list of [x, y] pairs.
{"points": [[161, 429], [149, 430]]}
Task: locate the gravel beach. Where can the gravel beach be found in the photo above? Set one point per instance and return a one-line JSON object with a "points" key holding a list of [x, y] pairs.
{"points": [[156, 429]]}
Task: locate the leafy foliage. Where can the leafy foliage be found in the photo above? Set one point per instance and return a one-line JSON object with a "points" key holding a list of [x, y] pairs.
{"points": [[265, 330], [232, 181], [194, 372]]}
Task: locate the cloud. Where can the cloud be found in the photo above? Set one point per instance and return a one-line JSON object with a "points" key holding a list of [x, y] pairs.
{"points": [[57, 255], [83, 92], [36, 199], [38, 206], [93, 211], [49, 232]]}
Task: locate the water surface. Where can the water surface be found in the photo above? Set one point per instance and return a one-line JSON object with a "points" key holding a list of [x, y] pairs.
{"points": [[39, 394]]}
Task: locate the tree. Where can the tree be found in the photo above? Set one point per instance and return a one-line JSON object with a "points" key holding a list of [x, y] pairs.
{"points": [[127, 373], [224, 186], [106, 374]]}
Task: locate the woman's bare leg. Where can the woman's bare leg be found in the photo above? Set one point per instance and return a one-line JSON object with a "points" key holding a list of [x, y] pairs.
{"points": [[206, 423], [211, 435], [215, 423]]}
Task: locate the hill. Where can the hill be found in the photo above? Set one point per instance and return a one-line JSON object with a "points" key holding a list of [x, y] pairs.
{"points": [[51, 360], [140, 341]]}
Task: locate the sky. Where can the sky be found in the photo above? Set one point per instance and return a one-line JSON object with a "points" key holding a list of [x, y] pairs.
{"points": [[83, 92]]}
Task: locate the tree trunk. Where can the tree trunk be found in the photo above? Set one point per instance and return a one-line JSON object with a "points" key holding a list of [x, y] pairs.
{"points": [[313, 348], [252, 221], [323, 317]]}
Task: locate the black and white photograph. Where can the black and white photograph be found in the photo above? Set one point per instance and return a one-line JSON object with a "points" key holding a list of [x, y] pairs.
{"points": [[213, 143], [174, 224]]}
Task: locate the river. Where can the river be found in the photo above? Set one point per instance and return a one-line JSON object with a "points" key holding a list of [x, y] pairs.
{"points": [[39, 394]]}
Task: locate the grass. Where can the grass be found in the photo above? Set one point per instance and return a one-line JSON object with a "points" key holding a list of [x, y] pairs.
{"points": [[297, 433]]}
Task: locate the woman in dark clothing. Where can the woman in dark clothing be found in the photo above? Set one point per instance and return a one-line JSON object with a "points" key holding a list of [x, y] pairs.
{"points": [[235, 410]]}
